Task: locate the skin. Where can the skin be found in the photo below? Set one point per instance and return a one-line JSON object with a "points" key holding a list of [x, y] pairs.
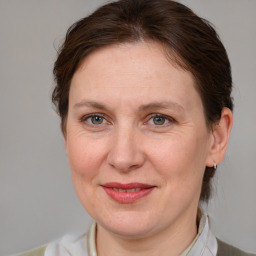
{"points": [[126, 85]]}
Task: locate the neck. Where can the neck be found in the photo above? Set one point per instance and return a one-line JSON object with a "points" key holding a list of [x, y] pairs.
{"points": [[179, 238]]}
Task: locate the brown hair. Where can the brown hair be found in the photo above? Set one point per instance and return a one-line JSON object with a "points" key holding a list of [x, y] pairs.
{"points": [[191, 42]]}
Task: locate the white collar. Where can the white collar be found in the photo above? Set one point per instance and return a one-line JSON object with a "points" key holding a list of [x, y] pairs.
{"points": [[206, 243]]}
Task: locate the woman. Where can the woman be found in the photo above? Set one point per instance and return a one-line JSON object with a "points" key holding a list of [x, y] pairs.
{"points": [[143, 92]]}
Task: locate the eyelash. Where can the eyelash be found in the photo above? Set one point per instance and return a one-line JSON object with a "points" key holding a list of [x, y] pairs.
{"points": [[165, 117], [86, 117], [151, 116]]}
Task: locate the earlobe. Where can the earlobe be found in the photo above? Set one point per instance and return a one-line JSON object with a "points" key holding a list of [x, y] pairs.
{"points": [[220, 133]]}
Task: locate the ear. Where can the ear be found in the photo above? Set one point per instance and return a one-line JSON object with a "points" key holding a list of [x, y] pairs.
{"points": [[220, 137]]}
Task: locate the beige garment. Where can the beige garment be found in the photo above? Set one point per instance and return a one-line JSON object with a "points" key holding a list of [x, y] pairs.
{"points": [[37, 252]]}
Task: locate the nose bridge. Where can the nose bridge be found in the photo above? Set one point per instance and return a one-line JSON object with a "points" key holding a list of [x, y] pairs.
{"points": [[125, 152]]}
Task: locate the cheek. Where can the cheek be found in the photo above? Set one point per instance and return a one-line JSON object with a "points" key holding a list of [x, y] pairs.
{"points": [[85, 159], [85, 156], [180, 160]]}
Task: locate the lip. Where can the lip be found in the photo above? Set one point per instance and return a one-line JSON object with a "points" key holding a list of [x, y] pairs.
{"points": [[135, 191]]}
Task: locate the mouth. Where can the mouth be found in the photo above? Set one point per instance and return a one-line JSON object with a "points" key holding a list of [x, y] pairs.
{"points": [[127, 193]]}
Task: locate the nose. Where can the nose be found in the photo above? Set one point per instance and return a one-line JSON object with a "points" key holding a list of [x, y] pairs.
{"points": [[126, 152]]}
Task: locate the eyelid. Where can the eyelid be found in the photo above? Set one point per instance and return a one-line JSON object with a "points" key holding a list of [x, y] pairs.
{"points": [[169, 118], [85, 117], [152, 115]]}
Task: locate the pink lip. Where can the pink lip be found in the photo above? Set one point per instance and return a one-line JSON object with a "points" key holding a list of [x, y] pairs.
{"points": [[129, 196]]}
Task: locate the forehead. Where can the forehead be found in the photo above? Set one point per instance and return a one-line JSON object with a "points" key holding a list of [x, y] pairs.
{"points": [[144, 59], [141, 70]]}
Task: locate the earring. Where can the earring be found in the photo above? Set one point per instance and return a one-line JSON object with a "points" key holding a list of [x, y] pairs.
{"points": [[214, 165]]}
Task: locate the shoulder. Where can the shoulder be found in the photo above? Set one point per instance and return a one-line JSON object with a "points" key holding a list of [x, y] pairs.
{"points": [[229, 250], [65, 246], [71, 244], [36, 252]]}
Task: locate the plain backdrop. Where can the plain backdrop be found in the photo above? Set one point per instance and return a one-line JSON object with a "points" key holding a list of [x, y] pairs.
{"points": [[37, 201]]}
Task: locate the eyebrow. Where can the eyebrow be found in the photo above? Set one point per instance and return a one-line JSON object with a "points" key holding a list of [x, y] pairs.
{"points": [[161, 105], [93, 104], [144, 107]]}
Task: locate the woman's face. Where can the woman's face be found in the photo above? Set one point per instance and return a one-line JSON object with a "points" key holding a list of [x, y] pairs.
{"points": [[136, 140]]}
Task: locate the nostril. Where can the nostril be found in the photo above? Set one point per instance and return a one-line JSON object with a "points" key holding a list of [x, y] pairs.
{"points": [[124, 165], [126, 162]]}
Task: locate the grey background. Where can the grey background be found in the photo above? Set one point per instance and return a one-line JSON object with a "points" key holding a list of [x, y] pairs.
{"points": [[37, 201]]}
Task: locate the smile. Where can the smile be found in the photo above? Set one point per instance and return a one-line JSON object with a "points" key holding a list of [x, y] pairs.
{"points": [[127, 193], [127, 190]]}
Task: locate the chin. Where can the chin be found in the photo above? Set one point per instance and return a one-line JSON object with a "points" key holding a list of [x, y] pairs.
{"points": [[131, 225], [129, 231]]}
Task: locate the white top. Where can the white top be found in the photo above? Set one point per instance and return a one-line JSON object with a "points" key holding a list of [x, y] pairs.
{"points": [[204, 244]]}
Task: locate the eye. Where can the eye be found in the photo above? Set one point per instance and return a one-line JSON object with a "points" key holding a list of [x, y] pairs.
{"points": [[94, 119], [160, 120]]}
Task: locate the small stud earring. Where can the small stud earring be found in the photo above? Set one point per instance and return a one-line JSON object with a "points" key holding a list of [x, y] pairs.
{"points": [[214, 165]]}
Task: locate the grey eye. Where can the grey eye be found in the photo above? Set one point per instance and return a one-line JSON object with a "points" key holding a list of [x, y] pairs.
{"points": [[96, 120], [158, 120]]}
